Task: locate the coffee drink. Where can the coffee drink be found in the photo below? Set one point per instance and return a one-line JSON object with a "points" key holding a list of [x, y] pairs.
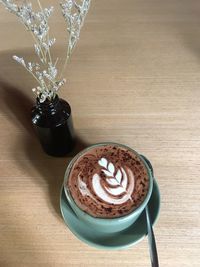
{"points": [[108, 181]]}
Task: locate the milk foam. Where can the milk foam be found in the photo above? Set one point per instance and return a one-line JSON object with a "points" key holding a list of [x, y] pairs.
{"points": [[108, 181], [117, 187]]}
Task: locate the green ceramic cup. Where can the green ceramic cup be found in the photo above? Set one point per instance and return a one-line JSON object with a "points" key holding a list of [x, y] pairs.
{"points": [[107, 225]]}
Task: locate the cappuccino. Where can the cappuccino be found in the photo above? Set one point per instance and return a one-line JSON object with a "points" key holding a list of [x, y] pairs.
{"points": [[108, 181]]}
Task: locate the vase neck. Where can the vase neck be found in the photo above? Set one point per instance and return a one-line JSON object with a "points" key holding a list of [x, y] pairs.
{"points": [[48, 106]]}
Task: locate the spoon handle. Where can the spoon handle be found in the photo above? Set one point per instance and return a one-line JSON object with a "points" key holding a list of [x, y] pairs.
{"points": [[151, 237], [151, 240]]}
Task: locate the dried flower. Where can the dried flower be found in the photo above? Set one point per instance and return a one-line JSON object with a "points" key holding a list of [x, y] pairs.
{"points": [[20, 60], [74, 15], [37, 23]]}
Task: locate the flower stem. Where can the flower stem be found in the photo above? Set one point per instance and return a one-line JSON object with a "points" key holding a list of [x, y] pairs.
{"points": [[39, 4], [33, 75], [41, 50], [48, 50], [69, 49], [67, 58], [56, 61], [49, 54]]}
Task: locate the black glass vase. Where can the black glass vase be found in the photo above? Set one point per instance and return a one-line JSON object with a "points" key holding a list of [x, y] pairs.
{"points": [[52, 121]]}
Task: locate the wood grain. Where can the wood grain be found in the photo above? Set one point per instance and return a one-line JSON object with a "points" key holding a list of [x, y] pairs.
{"points": [[134, 78]]}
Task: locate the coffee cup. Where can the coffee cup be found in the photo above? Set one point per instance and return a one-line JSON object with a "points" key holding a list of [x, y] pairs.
{"points": [[115, 224]]}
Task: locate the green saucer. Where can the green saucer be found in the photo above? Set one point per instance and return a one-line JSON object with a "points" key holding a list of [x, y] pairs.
{"points": [[120, 240]]}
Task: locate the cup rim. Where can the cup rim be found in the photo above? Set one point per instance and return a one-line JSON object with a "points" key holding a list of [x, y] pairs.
{"points": [[121, 218]]}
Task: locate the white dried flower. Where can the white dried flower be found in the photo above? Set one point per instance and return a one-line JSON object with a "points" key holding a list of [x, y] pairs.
{"points": [[74, 15], [48, 12], [20, 60], [37, 23], [30, 66], [10, 6], [37, 49], [37, 66], [51, 42], [52, 71], [62, 82], [43, 97]]}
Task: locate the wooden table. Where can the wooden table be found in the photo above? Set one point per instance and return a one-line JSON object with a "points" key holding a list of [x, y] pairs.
{"points": [[135, 79]]}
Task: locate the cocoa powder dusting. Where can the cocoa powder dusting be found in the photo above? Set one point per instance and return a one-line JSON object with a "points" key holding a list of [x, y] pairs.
{"points": [[87, 166]]}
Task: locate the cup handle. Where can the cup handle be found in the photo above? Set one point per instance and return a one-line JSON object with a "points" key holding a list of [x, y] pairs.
{"points": [[148, 163]]}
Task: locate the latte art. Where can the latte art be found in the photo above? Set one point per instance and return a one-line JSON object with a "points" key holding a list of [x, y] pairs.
{"points": [[108, 181], [117, 190]]}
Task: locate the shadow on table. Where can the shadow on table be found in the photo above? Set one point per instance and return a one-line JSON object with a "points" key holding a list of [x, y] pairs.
{"points": [[16, 106]]}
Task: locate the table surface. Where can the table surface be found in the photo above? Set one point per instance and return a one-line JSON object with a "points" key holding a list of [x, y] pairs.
{"points": [[134, 78]]}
